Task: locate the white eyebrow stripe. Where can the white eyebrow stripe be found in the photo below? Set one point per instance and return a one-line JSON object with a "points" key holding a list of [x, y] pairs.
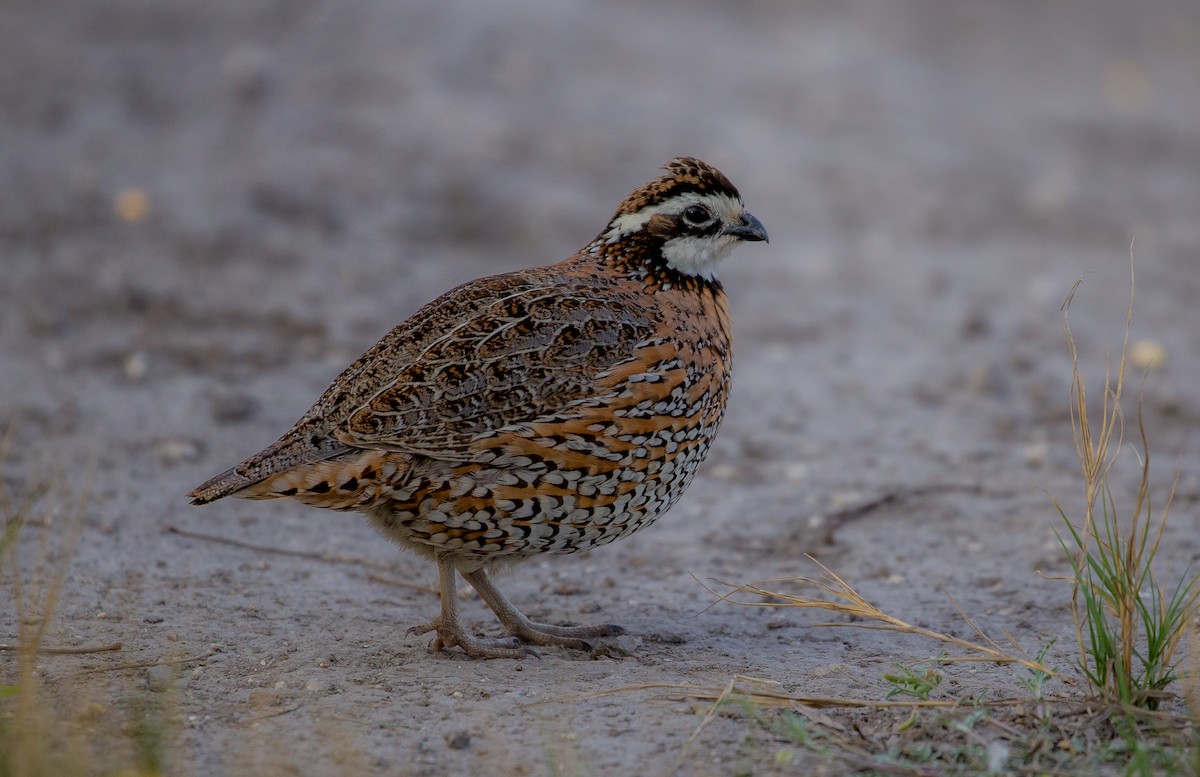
{"points": [[725, 208]]}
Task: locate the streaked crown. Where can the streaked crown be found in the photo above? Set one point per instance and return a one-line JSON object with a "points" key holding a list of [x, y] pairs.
{"points": [[685, 221], [683, 175]]}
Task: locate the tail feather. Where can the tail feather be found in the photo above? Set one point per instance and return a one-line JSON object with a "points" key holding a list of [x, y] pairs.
{"points": [[228, 482], [293, 450], [351, 481]]}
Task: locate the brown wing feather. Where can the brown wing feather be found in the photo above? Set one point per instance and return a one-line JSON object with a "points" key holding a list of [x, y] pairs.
{"points": [[478, 376], [460, 367]]}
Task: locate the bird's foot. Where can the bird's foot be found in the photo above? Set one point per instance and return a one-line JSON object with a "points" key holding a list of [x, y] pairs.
{"points": [[517, 624], [476, 647]]}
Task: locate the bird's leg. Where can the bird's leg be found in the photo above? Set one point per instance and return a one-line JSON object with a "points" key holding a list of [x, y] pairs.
{"points": [[449, 628], [526, 630]]}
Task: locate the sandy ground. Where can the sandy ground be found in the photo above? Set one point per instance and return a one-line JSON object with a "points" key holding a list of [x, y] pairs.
{"points": [[934, 176]]}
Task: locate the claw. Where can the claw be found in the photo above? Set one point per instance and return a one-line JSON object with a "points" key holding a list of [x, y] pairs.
{"points": [[419, 630]]}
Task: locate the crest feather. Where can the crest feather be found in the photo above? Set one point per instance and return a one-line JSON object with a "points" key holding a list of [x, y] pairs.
{"points": [[683, 174]]}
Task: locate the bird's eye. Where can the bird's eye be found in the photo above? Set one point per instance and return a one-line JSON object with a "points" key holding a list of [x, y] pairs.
{"points": [[697, 214]]}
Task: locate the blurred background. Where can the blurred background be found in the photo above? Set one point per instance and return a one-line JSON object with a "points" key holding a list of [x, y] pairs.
{"points": [[209, 208], [194, 187], [252, 193]]}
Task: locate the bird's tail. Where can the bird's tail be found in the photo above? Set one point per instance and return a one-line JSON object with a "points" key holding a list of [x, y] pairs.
{"points": [[289, 452], [351, 481]]}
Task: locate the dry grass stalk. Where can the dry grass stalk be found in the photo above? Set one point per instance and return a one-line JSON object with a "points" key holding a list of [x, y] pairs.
{"points": [[69, 651], [1127, 622], [35, 597], [1092, 451], [844, 600]]}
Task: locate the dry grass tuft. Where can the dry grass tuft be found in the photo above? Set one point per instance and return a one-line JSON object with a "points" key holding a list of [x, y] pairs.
{"points": [[1128, 625]]}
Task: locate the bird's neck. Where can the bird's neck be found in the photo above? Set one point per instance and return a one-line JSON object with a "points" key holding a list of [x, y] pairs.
{"points": [[639, 257]]}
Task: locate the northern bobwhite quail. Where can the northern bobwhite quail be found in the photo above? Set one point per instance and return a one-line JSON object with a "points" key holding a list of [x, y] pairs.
{"points": [[548, 410]]}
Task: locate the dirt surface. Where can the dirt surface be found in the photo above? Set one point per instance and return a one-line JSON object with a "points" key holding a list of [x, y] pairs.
{"points": [[934, 176]]}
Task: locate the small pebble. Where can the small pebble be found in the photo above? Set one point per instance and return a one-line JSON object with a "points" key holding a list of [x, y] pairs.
{"points": [[460, 740], [1035, 454], [1147, 354], [132, 205], [159, 677], [177, 450], [629, 643], [135, 367]]}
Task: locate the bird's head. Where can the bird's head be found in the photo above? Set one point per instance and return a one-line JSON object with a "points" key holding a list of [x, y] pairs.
{"points": [[688, 219]]}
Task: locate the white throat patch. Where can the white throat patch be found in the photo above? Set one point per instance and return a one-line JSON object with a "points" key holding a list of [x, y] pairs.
{"points": [[698, 255], [689, 255]]}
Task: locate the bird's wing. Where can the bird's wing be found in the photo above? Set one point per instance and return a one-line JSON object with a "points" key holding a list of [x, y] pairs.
{"points": [[489, 354]]}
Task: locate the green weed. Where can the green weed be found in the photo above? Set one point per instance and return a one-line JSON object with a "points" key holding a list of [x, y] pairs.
{"points": [[915, 680], [1128, 625]]}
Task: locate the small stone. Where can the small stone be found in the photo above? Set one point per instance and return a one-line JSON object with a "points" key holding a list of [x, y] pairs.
{"points": [[1035, 454], [629, 643], [135, 366], [459, 740], [132, 205], [1147, 354], [159, 678], [319, 684], [178, 450]]}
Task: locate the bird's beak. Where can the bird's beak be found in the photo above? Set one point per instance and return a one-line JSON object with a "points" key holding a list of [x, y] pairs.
{"points": [[750, 229]]}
